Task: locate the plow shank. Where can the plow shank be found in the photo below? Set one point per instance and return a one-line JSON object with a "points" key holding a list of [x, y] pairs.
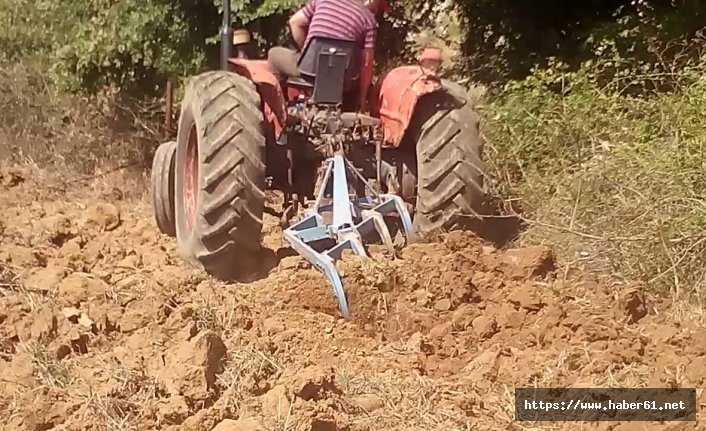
{"points": [[352, 222]]}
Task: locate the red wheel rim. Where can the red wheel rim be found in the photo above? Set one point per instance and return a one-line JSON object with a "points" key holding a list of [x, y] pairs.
{"points": [[408, 185], [191, 177]]}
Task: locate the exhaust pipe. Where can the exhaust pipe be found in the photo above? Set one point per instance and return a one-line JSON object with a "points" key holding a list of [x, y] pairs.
{"points": [[226, 35], [169, 109]]}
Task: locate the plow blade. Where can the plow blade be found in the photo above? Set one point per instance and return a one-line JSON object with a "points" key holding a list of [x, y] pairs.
{"points": [[348, 222]]}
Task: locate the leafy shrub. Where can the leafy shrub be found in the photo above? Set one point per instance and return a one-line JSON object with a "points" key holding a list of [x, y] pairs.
{"points": [[611, 175], [129, 45]]}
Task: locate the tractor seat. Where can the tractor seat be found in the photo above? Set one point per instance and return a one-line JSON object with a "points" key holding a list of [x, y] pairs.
{"points": [[299, 82]]}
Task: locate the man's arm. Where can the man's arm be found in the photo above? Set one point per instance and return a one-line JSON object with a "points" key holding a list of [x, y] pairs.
{"points": [[299, 23], [366, 70]]}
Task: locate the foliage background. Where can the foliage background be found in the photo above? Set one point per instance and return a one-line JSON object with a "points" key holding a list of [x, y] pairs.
{"points": [[594, 110]]}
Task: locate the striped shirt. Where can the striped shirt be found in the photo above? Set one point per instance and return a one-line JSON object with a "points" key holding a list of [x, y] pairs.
{"points": [[341, 19]]}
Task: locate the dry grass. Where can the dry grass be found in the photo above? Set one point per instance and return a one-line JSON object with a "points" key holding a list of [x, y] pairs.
{"points": [[32, 297], [8, 279], [75, 135], [409, 401], [209, 316], [122, 407], [108, 413], [135, 384], [246, 372], [49, 371]]}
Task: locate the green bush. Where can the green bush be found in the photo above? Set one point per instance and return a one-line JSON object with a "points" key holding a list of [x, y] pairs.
{"points": [[129, 45], [614, 178], [88, 45]]}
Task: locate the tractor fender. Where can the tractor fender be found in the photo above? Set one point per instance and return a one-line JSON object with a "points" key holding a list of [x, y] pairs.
{"points": [[396, 97], [271, 94]]}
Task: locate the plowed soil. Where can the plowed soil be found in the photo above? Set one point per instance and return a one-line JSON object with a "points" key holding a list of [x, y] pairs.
{"points": [[103, 327]]}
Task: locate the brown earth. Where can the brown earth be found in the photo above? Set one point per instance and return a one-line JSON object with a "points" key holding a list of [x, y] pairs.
{"points": [[103, 327]]}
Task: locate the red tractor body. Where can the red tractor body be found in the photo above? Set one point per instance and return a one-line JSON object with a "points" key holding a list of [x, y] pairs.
{"points": [[418, 152], [394, 101], [274, 100]]}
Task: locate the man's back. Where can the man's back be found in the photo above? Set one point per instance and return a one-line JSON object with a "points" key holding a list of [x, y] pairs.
{"points": [[341, 19]]}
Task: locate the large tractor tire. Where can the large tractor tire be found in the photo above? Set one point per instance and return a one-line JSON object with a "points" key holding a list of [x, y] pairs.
{"points": [[220, 175], [449, 170], [162, 182]]}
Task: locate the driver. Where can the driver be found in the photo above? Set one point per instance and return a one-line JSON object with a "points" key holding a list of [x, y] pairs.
{"points": [[338, 19]]}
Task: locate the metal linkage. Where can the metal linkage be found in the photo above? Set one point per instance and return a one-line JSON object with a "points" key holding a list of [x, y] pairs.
{"points": [[350, 224]]}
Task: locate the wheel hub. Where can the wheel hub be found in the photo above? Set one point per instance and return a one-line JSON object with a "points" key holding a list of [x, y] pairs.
{"points": [[191, 178], [408, 184]]}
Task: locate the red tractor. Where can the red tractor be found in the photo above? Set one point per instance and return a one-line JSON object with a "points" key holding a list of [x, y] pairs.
{"points": [[413, 165]]}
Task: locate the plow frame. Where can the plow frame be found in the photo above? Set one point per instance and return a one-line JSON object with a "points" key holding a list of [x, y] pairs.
{"points": [[369, 211]]}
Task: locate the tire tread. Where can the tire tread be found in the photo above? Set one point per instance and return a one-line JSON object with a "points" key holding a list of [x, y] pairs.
{"points": [[450, 170], [232, 170]]}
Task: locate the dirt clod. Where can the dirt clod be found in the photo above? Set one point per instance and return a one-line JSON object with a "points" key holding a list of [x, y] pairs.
{"points": [[137, 314], [45, 279], [78, 288], [484, 327], [313, 383], [191, 367], [44, 324], [369, 402], [276, 403], [100, 318], [442, 305], [529, 262], [103, 217], [633, 306], [11, 177], [19, 256], [250, 424], [528, 297], [173, 410]]}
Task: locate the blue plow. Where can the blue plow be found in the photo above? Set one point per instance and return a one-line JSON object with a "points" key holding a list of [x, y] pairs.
{"points": [[354, 220]]}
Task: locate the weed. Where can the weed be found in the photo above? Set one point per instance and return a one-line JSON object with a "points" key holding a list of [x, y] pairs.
{"points": [[343, 378], [208, 317], [246, 373], [50, 372]]}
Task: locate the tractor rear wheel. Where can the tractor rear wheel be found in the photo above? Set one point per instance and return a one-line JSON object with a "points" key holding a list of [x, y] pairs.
{"points": [[450, 171], [220, 174], [162, 182]]}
